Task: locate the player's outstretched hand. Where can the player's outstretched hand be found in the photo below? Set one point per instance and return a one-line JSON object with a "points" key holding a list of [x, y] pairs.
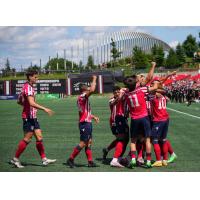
{"points": [[173, 73], [153, 63], [94, 77], [49, 111], [96, 119]]}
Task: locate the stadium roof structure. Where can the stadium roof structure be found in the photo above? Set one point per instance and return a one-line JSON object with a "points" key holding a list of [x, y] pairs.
{"points": [[125, 41]]}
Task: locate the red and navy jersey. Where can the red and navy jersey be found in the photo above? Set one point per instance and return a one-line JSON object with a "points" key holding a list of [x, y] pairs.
{"points": [[137, 103], [120, 108], [28, 111], [158, 107], [84, 108]]}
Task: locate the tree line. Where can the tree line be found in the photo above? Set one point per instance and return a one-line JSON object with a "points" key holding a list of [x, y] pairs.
{"points": [[186, 53]]}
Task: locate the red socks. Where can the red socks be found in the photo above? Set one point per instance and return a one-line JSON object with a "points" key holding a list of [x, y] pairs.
{"points": [[40, 148], [21, 147], [139, 147], [75, 152], [170, 150], [148, 156], [88, 153], [118, 149], [165, 151], [157, 151], [124, 148], [133, 154]]}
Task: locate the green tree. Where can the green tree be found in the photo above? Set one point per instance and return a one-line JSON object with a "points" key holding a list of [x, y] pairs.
{"points": [[154, 51], [7, 71], [180, 53], [90, 62], [114, 51], [190, 46], [172, 60], [34, 68], [7, 65], [158, 55], [140, 59], [80, 65], [53, 64]]}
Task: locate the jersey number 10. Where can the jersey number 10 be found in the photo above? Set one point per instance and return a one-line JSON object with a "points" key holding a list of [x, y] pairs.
{"points": [[162, 103]]}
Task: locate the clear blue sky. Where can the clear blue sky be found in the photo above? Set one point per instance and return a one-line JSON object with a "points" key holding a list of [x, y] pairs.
{"points": [[26, 44]]}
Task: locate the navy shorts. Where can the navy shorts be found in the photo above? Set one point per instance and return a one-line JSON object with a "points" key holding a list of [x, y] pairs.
{"points": [[139, 126], [29, 125], [121, 125], [85, 131], [159, 130]]}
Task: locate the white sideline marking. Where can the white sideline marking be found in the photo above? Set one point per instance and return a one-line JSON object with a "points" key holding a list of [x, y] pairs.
{"points": [[183, 113]]}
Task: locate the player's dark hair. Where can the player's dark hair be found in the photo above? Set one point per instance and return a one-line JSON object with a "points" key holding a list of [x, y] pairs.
{"points": [[127, 77], [130, 83], [82, 87], [133, 76], [115, 88], [30, 73]]}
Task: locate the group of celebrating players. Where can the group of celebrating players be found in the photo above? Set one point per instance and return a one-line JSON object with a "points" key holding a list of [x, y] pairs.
{"points": [[143, 99]]}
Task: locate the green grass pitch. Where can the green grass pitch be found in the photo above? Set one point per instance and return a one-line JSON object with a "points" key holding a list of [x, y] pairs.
{"points": [[61, 134]]}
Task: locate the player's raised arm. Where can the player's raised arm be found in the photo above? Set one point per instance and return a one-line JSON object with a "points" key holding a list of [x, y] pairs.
{"points": [[168, 76], [37, 106], [92, 86], [150, 74]]}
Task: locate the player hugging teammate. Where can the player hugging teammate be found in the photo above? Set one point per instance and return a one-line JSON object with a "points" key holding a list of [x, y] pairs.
{"points": [[146, 102]]}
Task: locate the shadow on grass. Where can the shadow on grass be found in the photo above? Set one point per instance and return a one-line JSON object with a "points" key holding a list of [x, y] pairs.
{"points": [[75, 165], [105, 162], [26, 164]]}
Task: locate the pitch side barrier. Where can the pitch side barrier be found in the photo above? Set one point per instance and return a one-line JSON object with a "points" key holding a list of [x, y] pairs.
{"points": [[59, 88]]}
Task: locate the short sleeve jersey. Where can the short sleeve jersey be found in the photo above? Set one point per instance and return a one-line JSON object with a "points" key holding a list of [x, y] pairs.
{"points": [[28, 111], [137, 103], [158, 107], [84, 108]]}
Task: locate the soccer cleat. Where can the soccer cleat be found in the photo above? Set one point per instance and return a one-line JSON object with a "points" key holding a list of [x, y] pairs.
{"points": [[157, 164], [116, 164], [124, 162], [105, 153], [46, 161], [164, 162], [70, 163], [92, 164], [148, 164], [172, 158], [140, 161], [16, 162], [132, 164]]}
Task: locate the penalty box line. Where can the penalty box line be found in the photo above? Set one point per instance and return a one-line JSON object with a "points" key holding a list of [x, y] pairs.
{"points": [[183, 113]]}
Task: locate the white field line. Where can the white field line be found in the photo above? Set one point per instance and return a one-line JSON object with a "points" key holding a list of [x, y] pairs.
{"points": [[183, 113]]}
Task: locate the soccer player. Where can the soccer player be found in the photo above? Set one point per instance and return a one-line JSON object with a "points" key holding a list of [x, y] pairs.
{"points": [[139, 118], [160, 119], [85, 124], [119, 126], [31, 125], [116, 93]]}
